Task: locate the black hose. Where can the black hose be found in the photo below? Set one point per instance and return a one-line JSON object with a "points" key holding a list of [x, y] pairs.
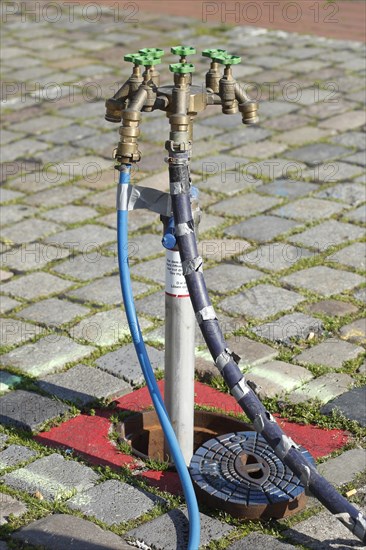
{"points": [[226, 361]]}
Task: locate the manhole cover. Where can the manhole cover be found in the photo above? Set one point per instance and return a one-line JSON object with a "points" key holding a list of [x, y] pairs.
{"points": [[240, 473]]}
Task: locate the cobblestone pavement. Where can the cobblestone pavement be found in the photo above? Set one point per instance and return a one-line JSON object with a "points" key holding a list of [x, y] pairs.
{"points": [[283, 240]]}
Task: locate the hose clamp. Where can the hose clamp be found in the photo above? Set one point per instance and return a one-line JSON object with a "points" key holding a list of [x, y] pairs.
{"points": [[283, 447], [240, 389], [225, 357], [191, 266], [305, 477], [179, 188], [122, 197], [360, 527], [185, 228], [176, 157], [258, 423], [206, 314]]}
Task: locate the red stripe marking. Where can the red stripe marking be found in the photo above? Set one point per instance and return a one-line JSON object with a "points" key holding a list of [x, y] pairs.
{"points": [[88, 437], [177, 295], [165, 481]]}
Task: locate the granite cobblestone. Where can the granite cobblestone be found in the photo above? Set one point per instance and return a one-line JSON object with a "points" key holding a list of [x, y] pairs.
{"points": [[124, 363], [10, 505], [47, 355], [31, 256], [261, 228], [261, 301], [327, 234], [29, 230], [291, 327], [350, 193], [57, 531], [324, 388], [277, 378], [106, 291], [323, 280], [53, 476], [14, 455], [351, 404], [309, 209], [28, 410], [53, 312], [154, 533], [332, 353], [114, 502], [83, 385]]}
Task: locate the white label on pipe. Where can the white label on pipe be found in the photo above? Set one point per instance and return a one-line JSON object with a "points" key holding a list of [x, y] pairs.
{"points": [[175, 283]]}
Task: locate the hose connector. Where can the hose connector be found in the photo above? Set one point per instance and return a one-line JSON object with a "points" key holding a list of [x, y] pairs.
{"points": [[127, 149], [249, 111], [113, 109]]}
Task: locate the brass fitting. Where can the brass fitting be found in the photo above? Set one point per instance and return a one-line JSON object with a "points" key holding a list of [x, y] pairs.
{"points": [[150, 98], [116, 104], [249, 112], [127, 148], [213, 77], [178, 124], [180, 132], [151, 76], [247, 106], [114, 108], [227, 93], [181, 101], [151, 79], [184, 52], [135, 79], [182, 81], [213, 74], [179, 119]]}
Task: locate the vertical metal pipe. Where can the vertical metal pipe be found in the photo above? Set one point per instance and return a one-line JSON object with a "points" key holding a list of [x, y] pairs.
{"points": [[179, 354]]}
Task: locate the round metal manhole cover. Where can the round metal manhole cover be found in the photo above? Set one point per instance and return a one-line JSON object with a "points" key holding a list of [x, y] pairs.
{"points": [[240, 473]]}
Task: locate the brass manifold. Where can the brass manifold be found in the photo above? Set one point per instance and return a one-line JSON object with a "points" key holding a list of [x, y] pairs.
{"points": [[181, 102]]}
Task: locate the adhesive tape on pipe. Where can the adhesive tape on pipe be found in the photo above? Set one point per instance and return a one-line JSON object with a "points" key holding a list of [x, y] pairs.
{"points": [[175, 283]]}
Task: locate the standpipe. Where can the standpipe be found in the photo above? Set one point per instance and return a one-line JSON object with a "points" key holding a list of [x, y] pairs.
{"points": [[179, 315], [182, 102]]}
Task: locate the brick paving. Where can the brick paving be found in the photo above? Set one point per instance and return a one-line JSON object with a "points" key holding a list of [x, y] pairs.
{"points": [[283, 235]]}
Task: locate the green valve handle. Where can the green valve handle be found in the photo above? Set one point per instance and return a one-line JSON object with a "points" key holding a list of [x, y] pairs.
{"points": [[183, 51], [228, 59], [157, 53], [212, 53], [132, 57], [181, 68], [147, 61]]}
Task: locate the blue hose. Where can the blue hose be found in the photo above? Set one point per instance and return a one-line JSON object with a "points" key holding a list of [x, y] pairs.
{"points": [[124, 271]]}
